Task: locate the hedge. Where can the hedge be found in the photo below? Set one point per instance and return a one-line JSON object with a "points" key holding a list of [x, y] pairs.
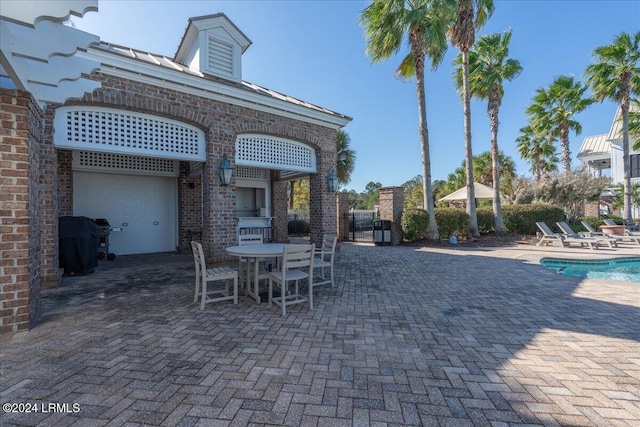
{"points": [[521, 219], [518, 219], [414, 224]]}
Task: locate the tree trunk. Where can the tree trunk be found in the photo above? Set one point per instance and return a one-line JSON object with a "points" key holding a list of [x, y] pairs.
{"points": [[566, 151], [292, 186], [626, 161], [471, 197], [498, 222], [432, 228]]}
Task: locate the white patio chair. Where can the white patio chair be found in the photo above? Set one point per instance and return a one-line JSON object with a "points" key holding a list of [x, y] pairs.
{"points": [[323, 260], [246, 265], [296, 265], [217, 274]]}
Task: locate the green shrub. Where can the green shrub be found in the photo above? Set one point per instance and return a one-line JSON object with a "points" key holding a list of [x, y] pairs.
{"points": [[298, 226], [485, 219], [521, 219], [617, 219], [452, 222], [414, 224], [594, 221]]}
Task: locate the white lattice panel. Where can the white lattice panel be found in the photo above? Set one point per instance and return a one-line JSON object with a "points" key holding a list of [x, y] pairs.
{"points": [[247, 172], [127, 132], [274, 153], [124, 163]]}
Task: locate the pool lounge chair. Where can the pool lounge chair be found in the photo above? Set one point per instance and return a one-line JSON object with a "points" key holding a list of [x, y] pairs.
{"points": [[593, 233], [592, 242], [548, 236]]}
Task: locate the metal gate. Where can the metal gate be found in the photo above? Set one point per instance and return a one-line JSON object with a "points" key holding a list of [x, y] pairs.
{"points": [[360, 225]]}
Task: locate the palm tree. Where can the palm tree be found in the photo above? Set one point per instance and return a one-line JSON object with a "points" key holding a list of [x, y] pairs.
{"points": [[489, 68], [554, 109], [471, 15], [424, 22], [346, 157], [483, 171], [539, 150], [616, 76], [634, 123]]}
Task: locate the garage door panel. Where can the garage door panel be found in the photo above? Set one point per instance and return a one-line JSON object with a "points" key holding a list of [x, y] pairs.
{"points": [[143, 206]]}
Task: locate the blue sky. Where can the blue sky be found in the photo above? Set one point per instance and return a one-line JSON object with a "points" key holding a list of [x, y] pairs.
{"points": [[315, 51]]}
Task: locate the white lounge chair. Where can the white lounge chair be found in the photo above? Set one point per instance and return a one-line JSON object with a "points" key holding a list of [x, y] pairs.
{"points": [[571, 236], [548, 236], [593, 233]]}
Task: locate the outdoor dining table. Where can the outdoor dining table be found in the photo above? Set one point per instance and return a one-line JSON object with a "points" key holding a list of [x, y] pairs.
{"points": [[253, 253]]}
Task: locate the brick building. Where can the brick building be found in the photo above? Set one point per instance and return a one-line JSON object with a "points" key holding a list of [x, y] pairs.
{"points": [[139, 140]]}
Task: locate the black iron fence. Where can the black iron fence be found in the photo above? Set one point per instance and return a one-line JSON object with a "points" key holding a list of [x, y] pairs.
{"points": [[360, 225]]}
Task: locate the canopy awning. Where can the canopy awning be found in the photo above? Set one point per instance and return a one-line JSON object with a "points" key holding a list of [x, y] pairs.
{"points": [[481, 191]]}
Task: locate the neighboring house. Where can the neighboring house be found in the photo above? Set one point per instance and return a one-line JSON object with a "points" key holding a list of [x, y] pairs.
{"points": [[603, 156], [104, 131]]}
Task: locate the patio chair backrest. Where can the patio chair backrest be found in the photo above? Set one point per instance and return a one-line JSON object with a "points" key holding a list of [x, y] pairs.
{"points": [[566, 229], [588, 227], [609, 222], [328, 248], [545, 228], [250, 239]]}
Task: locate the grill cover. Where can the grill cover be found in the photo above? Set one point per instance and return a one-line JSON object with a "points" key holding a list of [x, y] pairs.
{"points": [[78, 239]]}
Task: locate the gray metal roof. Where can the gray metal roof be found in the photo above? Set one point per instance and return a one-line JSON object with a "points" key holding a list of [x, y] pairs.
{"points": [[166, 62], [597, 146]]}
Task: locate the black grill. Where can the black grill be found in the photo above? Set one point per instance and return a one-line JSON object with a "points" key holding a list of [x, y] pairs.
{"points": [[103, 245]]}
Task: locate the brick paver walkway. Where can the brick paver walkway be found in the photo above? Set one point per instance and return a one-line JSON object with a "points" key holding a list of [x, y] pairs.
{"points": [[408, 337]]}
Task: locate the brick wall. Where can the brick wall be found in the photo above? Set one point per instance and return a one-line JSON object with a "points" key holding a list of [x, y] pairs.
{"points": [[280, 210], [342, 200], [21, 133], [48, 182], [190, 205], [391, 207], [222, 123]]}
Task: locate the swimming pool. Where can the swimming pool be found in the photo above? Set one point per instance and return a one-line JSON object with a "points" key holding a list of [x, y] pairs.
{"points": [[626, 269]]}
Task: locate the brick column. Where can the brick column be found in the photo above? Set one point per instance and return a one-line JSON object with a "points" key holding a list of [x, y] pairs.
{"points": [[21, 135], [391, 201], [342, 201], [189, 208], [219, 220], [48, 208], [322, 203], [279, 207]]}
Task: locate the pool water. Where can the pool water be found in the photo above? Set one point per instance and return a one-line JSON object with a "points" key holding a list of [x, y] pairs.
{"points": [[625, 269]]}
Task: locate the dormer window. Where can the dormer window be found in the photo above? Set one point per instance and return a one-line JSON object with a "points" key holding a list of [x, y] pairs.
{"points": [[213, 45]]}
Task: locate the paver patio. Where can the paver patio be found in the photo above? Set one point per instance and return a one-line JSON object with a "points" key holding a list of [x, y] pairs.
{"points": [[410, 336]]}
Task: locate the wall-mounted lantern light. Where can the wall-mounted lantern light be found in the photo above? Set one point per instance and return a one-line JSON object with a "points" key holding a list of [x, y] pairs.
{"points": [[225, 171], [332, 181]]}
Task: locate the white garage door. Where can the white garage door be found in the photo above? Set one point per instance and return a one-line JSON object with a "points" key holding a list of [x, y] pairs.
{"points": [[143, 206]]}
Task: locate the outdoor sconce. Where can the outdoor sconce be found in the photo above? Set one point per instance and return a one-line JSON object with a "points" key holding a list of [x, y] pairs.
{"points": [[332, 181], [225, 171]]}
